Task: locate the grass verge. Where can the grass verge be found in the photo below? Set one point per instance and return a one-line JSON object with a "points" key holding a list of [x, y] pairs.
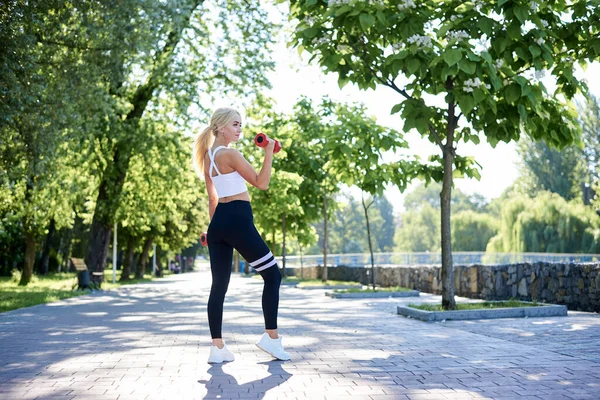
{"points": [[318, 282], [370, 290], [477, 306], [50, 288]]}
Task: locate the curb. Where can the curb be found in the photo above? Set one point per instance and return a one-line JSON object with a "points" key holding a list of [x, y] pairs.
{"points": [[550, 310], [372, 295]]}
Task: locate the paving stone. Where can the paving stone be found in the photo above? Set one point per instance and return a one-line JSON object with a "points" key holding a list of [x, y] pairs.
{"points": [[150, 341]]}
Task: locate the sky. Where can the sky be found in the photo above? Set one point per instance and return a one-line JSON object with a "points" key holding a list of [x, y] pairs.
{"points": [[294, 77]]}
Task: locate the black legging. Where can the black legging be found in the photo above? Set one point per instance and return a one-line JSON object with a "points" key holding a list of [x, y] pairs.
{"points": [[232, 226]]}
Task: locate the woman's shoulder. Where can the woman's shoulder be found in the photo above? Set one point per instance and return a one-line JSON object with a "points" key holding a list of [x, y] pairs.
{"points": [[229, 152]]}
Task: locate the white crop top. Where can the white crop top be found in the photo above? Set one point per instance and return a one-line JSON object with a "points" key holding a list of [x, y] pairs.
{"points": [[225, 184]]}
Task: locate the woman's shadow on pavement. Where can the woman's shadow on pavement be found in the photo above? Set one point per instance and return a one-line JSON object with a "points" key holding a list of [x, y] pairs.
{"points": [[223, 385]]}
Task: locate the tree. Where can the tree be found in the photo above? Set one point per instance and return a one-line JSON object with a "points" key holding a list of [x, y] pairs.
{"points": [[43, 104], [345, 146], [548, 169], [478, 59], [471, 231], [356, 144], [385, 230], [546, 223], [590, 123], [288, 211], [419, 230], [163, 71]]}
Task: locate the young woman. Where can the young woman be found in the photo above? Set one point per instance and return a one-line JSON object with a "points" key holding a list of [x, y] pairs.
{"points": [[231, 226]]}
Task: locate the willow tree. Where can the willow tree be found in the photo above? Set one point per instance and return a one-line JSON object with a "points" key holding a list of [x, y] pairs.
{"points": [[461, 70]]}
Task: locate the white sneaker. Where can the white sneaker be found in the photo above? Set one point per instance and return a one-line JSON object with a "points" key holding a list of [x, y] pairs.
{"points": [[273, 347], [217, 355]]}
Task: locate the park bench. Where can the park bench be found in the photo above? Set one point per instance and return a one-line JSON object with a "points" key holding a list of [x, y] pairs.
{"points": [[83, 276]]}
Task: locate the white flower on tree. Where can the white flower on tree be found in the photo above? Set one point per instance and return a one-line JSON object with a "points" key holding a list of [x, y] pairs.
{"points": [[406, 4], [534, 6], [397, 46], [540, 41], [457, 35], [333, 3], [471, 84], [420, 40]]}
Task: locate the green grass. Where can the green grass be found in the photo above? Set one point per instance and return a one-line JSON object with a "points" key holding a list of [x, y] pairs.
{"points": [[318, 282], [477, 306], [50, 288], [370, 290], [40, 290]]}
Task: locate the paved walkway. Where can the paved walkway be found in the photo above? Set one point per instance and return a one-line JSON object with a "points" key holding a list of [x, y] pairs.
{"points": [[150, 341]]}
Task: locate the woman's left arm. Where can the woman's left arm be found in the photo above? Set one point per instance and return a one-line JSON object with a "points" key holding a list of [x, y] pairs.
{"points": [[213, 197]]}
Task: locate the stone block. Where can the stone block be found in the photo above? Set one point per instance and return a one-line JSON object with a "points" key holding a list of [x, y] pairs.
{"points": [[522, 288]]}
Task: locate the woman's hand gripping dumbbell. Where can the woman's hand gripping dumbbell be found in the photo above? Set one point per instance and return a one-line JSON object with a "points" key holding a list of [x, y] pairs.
{"points": [[261, 140]]}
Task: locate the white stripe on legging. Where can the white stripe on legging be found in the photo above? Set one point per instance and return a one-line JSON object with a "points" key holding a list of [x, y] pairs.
{"points": [[266, 266], [261, 260]]}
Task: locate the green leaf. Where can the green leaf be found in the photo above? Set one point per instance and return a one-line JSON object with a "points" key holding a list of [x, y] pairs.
{"points": [[397, 108], [535, 51], [478, 95], [502, 2], [311, 32], [452, 56], [512, 93], [514, 31], [467, 66], [466, 104], [413, 65], [522, 53], [486, 25], [366, 21], [521, 13]]}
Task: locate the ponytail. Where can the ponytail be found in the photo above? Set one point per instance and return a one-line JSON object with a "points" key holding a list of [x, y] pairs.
{"points": [[206, 138], [203, 141]]}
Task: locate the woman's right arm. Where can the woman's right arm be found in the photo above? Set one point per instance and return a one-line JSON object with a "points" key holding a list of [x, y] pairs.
{"points": [[261, 179]]}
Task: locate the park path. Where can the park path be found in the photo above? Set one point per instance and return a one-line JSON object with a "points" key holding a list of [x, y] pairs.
{"points": [[150, 341]]}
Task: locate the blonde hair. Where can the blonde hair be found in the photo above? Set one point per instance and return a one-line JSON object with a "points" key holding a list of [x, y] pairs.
{"points": [[206, 138]]}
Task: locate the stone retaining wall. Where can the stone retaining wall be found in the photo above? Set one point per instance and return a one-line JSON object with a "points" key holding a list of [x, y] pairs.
{"points": [[575, 285]]}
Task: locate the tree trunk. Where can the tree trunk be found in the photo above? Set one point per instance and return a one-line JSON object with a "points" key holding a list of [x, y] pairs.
{"points": [[128, 262], [324, 277], [106, 207], [143, 261], [366, 207], [66, 249], [159, 272], [283, 246], [448, 302], [27, 272], [114, 175], [44, 260]]}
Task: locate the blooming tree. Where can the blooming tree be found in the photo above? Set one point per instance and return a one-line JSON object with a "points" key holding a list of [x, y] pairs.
{"points": [[462, 70]]}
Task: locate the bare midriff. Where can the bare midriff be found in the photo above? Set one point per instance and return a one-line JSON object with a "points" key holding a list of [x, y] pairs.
{"points": [[240, 196]]}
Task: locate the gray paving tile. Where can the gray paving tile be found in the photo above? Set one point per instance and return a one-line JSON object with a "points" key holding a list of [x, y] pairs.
{"points": [[151, 341]]}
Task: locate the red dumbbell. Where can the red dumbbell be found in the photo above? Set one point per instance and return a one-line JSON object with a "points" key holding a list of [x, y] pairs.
{"points": [[261, 140], [203, 239]]}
